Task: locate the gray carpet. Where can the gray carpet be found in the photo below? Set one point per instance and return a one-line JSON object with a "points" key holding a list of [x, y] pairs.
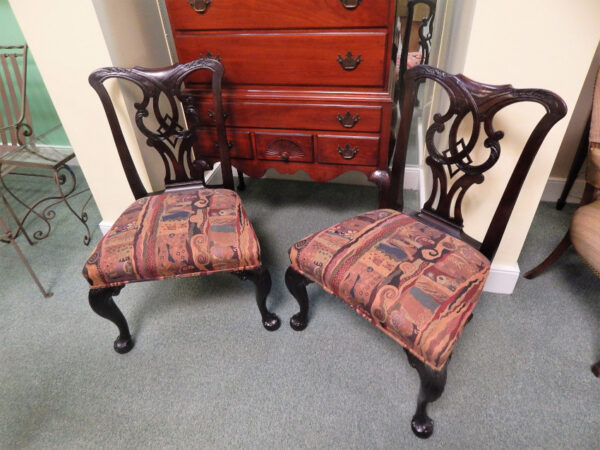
{"points": [[205, 374]]}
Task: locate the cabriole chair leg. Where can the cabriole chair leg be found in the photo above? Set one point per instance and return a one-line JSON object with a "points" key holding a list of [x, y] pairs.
{"points": [[596, 369], [262, 280], [296, 284], [101, 301], [432, 387]]}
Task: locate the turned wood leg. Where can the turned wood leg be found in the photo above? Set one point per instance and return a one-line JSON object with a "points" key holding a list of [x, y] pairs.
{"points": [[241, 183], [551, 259], [101, 301], [432, 386], [596, 369], [296, 284], [262, 280]]}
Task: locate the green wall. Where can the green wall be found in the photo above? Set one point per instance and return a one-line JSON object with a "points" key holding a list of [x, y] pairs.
{"points": [[43, 114]]}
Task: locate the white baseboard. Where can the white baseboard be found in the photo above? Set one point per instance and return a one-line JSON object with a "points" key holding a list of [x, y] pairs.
{"points": [[554, 188], [412, 177], [502, 279]]}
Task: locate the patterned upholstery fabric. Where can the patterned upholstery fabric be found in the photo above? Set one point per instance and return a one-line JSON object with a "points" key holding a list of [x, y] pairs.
{"points": [[413, 59], [584, 234], [175, 234], [416, 283]]}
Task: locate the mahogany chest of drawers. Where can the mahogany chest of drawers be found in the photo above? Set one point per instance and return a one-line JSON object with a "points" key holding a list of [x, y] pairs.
{"points": [[308, 84]]}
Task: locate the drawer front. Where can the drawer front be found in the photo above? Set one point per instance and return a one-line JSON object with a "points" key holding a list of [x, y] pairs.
{"points": [[340, 149], [340, 58], [284, 146], [265, 14], [241, 143], [304, 116]]}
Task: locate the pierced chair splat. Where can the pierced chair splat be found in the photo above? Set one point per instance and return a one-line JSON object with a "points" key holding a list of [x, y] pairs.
{"points": [[418, 276], [190, 228]]}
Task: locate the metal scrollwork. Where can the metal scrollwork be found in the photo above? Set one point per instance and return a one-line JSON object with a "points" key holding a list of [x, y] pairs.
{"points": [[347, 121], [350, 4], [349, 62], [347, 152], [200, 6]]}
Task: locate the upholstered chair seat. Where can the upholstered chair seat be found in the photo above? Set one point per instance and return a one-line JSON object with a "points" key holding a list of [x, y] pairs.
{"points": [[175, 234], [413, 59], [416, 283], [584, 234]]}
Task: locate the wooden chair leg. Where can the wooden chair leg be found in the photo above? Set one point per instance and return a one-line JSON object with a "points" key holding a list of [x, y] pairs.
{"points": [[101, 301], [432, 387], [262, 280], [563, 245], [296, 284], [596, 369], [241, 183], [578, 160]]}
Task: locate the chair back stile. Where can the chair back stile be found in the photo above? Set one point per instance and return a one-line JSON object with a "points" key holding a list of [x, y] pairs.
{"points": [[15, 119], [453, 168], [173, 142]]}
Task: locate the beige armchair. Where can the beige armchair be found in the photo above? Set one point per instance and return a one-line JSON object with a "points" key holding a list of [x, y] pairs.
{"points": [[583, 233]]}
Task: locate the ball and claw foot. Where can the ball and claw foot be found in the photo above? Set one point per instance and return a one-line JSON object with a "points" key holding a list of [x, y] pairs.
{"points": [[298, 322], [271, 322], [596, 369], [422, 426], [123, 345]]}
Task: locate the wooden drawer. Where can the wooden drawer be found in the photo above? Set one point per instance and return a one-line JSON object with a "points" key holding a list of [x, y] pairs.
{"points": [[341, 149], [284, 146], [265, 14], [291, 58], [303, 116], [241, 143]]}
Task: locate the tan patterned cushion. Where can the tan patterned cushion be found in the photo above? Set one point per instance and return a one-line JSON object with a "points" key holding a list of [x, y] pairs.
{"points": [[585, 234], [416, 283], [176, 234]]}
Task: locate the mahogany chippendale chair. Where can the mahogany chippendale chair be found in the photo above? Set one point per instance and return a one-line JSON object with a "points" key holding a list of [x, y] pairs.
{"points": [[418, 276], [190, 228]]}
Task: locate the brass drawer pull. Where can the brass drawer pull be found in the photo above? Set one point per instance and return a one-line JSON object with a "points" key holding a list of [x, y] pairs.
{"points": [[350, 4], [285, 156], [347, 121], [347, 152], [200, 6], [349, 62]]}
